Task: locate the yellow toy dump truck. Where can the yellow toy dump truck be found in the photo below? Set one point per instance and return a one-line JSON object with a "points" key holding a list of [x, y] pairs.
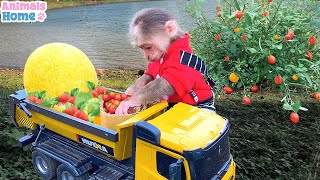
{"points": [[184, 142]]}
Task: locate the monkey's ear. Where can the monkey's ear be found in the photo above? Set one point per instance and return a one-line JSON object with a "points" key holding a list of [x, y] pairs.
{"points": [[171, 28]]}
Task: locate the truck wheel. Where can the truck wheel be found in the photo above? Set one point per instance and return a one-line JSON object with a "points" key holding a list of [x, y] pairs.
{"points": [[45, 166], [65, 173]]}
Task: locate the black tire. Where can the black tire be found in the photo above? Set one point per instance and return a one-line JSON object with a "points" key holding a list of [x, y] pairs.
{"points": [[66, 173], [45, 166]]}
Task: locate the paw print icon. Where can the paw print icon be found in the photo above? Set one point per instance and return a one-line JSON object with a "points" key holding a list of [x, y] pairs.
{"points": [[41, 16]]}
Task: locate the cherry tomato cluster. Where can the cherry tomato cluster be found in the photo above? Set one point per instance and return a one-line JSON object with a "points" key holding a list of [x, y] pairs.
{"points": [[111, 101]]}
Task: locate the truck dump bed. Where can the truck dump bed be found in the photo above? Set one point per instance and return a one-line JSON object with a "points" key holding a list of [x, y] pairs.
{"points": [[113, 143]]}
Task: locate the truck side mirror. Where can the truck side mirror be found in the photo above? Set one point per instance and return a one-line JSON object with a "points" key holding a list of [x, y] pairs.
{"points": [[175, 170]]}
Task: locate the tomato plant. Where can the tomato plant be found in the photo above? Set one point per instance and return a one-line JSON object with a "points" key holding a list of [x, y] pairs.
{"points": [[261, 42]]}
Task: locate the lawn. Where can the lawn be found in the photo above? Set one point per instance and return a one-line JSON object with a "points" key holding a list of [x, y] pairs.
{"points": [[264, 143]]}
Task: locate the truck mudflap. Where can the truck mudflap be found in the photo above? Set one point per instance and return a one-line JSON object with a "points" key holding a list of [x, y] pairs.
{"points": [[80, 162]]}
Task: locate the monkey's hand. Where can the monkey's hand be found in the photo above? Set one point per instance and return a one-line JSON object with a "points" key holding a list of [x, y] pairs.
{"points": [[131, 90], [128, 103]]}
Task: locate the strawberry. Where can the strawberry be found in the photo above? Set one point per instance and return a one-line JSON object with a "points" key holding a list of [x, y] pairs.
{"points": [[33, 99], [64, 97], [81, 115], [71, 99], [95, 93], [39, 101], [101, 90], [71, 110]]}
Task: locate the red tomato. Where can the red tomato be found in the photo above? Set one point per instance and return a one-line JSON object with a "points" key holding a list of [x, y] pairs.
{"points": [[112, 101], [105, 97], [278, 79], [227, 58], [106, 104], [254, 88], [246, 100], [219, 15], [271, 59], [218, 8], [112, 95], [112, 109], [294, 117], [244, 37], [269, 0], [117, 97], [291, 33], [312, 40], [124, 96], [287, 37], [116, 102], [265, 14], [239, 15], [227, 89], [316, 96], [309, 55], [218, 37]]}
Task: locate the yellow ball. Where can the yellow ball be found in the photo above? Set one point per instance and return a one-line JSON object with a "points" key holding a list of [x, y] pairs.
{"points": [[58, 68]]}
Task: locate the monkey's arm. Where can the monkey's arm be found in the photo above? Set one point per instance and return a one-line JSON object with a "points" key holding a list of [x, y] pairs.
{"points": [[155, 90], [138, 84]]}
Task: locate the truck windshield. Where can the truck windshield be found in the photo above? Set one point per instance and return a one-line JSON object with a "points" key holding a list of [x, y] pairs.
{"points": [[208, 163]]}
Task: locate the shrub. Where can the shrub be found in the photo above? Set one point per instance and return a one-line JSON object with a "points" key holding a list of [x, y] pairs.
{"points": [[270, 44]]}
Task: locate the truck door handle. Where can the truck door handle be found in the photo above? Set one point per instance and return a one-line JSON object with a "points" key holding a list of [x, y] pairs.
{"points": [[23, 108]]}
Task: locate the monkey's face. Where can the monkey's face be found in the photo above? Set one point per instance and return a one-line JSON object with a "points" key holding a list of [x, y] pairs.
{"points": [[156, 47]]}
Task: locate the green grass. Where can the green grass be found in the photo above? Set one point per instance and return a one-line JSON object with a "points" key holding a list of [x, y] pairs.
{"points": [[264, 143]]}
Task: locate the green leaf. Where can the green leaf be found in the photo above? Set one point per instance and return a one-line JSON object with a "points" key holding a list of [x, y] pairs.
{"points": [[90, 85], [50, 102], [198, 15], [248, 19], [34, 93], [279, 46], [252, 50], [287, 106], [233, 48], [237, 5], [82, 98], [42, 94], [296, 106], [74, 91], [303, 108], [96, 112]]}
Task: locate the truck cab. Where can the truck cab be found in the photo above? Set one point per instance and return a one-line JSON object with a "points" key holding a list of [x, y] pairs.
{"points": [[184, 142]]}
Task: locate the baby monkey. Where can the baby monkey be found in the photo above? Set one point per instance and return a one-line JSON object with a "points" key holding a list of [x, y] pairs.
{"points": [[174, 73]]}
